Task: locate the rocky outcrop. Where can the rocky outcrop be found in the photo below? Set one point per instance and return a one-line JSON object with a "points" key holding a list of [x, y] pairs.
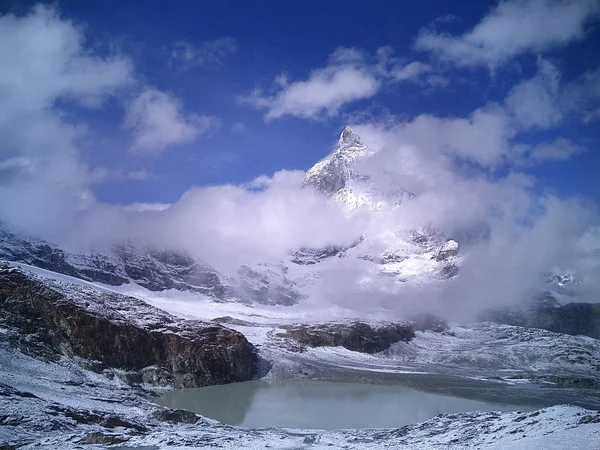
{"points": [[450, 249], [52, 318], [355, 336], [309, 256], [332, 173]]}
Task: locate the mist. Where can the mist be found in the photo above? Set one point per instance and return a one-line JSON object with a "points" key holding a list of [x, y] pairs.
{"points": [[469, 173]]}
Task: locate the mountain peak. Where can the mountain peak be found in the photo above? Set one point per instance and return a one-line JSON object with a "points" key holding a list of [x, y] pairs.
{"points": [[349, 138]]}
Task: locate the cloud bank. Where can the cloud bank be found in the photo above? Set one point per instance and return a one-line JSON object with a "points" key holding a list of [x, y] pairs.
{"points": [[469, 171]]}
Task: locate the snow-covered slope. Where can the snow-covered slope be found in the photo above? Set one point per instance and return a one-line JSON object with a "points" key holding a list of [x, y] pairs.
{"points": [[154, 269], [419, 255], [58, 403], [49, 405], [339, 176]]}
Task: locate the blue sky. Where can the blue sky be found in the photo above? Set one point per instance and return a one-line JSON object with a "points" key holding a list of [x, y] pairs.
{"points": [[235, 47]]}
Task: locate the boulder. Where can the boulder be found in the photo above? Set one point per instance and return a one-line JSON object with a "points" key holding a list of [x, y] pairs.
{"points": [[355, 336]]}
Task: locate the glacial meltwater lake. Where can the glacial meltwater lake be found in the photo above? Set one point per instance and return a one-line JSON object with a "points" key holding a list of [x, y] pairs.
{"points": [[322, 404]]}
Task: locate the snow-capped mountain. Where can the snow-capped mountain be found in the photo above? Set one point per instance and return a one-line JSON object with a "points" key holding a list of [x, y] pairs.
{"points": [[420, 255], [339, 177]]}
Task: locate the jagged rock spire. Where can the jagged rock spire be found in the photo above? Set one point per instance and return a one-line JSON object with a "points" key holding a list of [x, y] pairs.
{"points": [[349, 138]]}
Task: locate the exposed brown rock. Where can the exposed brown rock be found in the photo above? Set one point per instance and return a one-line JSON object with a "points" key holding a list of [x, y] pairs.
{"points": [[355, 336], [121, 332]]}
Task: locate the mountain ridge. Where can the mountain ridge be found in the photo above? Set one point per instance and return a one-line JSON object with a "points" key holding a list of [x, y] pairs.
{"points": [[420, 255]]}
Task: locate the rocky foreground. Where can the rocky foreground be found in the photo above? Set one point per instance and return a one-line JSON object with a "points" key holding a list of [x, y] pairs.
{"points": [[114, 331], [79, 367]]}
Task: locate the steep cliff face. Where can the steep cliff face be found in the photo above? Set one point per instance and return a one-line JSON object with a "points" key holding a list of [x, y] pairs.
{"points": [[115, 331], [341, 177]]}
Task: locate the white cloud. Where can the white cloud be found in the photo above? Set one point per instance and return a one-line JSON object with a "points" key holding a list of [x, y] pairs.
{"points": [[344, 55], [186, 55], [512, 28], [45, 62], [510, 233], [226, 225], [238, 127], [142, 207], [156, 120], [410, 71], [536, 102], [326, 91], [560, 149], [481, 137], [139, 175], [544, 101], [348, 77], [583, 95], [101, 174]]}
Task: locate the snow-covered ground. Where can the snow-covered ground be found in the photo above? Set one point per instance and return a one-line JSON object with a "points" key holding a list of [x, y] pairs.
{"points": [[61, 405], [483, 350]]}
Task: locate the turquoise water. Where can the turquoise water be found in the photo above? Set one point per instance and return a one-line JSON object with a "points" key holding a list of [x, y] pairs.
{"points": [[321, 405]]}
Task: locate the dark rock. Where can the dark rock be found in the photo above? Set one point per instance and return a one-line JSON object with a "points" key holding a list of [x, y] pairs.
{"points": [[450, 249], [113, 421], [155, 270], [4, 446], [308, 256], [310, 440], [233, 321], [258, 287], [355, 336], [175, 416], [428, 321], [450, 271], [589, 419], [391, 257], [122, 332], [7, 391], [100, 438], [572, 318], [11, 420], [151, 268]]}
